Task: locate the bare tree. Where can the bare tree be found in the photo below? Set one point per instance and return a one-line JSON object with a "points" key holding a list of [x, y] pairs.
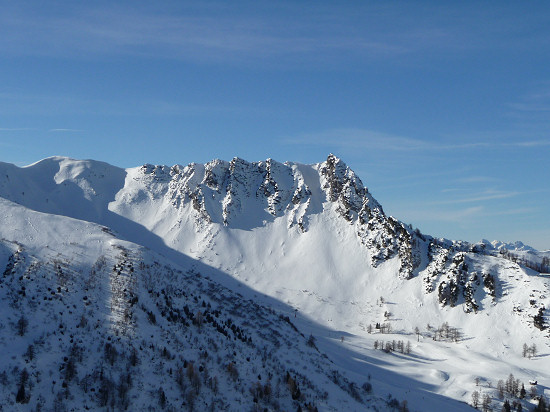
{"points": [[500, 388], [475, 399], [486, 405], [533, 350]]}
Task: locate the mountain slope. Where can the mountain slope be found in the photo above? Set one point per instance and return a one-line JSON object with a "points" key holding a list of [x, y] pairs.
{"points": [[314, 238], [91, 321]]}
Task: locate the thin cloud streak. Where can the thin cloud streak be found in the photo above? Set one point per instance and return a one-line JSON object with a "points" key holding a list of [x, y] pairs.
{"points": [[481, 198], [369, 139], [531, 107], [533, 143], [421, 214], [200, 32], [520, 211], [52, 104], [477, 179], [135, 32], [359, 139]]}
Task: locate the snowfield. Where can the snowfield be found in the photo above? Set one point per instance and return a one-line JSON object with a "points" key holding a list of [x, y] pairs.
{"points": [[285, 282]]}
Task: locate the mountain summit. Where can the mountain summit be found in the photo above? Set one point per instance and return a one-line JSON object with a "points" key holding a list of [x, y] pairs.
{"points": [[305, 247]]}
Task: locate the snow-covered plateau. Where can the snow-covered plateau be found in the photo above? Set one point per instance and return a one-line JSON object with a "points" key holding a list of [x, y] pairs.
{"points": [[253, 286]]}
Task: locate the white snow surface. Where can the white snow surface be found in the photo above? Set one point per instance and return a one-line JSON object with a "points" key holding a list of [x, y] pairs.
{"points": [[271, 232]]}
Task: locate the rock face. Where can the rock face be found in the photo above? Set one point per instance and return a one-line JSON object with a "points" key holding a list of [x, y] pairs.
{"points": [[221, 192], [240, 194], [246, 196], [228, 193], [171, 273]]}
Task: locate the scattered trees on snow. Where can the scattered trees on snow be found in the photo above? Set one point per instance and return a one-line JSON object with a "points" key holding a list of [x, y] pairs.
{"points": [[529, 351], [445, 331], [542, 267], [393, 346], [510, 387]]}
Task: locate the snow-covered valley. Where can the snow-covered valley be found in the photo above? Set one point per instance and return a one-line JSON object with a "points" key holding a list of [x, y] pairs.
{"points": [[286, 283]]}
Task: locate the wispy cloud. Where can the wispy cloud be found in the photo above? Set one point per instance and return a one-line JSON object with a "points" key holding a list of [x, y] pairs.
{"points": [[65, 130], [518, 211], [12, 145], [453, 190], [480, 197], [531, 143], [476, 179], [530, 114], [222, 32], [534, 101], [359, 139], [531, 107], [192, 33], [54, 104], [27, 129], [465, 216], [455, 215], [350, 138]]}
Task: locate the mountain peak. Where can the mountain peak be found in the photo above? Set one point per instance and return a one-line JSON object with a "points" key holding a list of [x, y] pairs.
{"points": [[333, 158], [308, 240]]}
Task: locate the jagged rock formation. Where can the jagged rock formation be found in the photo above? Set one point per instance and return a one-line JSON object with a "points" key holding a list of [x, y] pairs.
{"points": [[221, 192], [246, 195], [310, 239]]}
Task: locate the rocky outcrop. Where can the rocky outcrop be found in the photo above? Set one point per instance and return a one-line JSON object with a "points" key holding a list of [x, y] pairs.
{"points": [[221, 192]]}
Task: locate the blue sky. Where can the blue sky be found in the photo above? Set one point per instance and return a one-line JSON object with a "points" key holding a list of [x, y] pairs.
{"points": [[443, 109]]}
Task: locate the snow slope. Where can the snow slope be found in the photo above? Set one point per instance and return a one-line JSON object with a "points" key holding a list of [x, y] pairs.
{"points": [[313, 239], [89, 321]]}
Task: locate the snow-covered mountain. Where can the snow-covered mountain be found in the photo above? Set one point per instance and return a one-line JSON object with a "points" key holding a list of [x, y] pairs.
{"points": [[300, 271]]}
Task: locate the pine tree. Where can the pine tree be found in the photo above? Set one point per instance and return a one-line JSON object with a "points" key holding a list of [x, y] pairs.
{"points": [[21, 396], [538, 319], [162, 398], [486, 405], [522, 392], [541, 407], [22, 324]]}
